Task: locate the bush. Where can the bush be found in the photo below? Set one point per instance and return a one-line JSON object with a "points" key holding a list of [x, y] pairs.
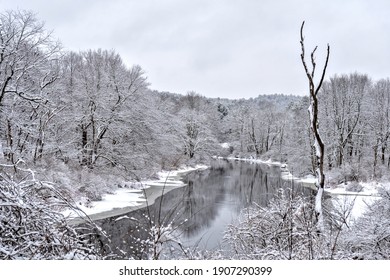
{"points": [[286, 229], [369, 237], [31, 227], [354, 187]]}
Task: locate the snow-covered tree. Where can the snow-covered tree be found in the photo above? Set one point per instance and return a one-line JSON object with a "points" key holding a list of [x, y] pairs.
{"points": [[298, 150], [195, 132], [28, 71], [104, 93], [343, 98], [369, 237], [378, 114], [284, 229], [31, 226], [313, 111]]}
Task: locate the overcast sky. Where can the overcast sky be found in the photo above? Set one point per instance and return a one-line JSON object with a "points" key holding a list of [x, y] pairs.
{"points": [[224, 48]]}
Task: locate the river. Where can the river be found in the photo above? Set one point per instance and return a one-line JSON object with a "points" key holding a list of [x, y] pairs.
{"points": [[198, 213]]}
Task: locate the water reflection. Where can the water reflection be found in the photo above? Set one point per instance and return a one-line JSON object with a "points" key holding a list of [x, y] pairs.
{"points": [[198, 212], [216, 197]]}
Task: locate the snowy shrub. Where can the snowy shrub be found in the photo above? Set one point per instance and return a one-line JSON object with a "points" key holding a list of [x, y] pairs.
{"points": [[152, 240], [31, 227], [350, 172], [369, 237], [334, 177], [286, 229], [354, 187]]}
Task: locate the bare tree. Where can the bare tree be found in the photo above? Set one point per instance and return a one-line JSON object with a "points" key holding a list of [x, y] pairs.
{"points": [[104, 91], [25, 48], [29, 60], [379, 122], [313, 110], [343, 101]]}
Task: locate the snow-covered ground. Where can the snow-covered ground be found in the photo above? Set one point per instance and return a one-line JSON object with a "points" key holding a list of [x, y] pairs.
{"points": [[356, 202], [225, 145], [124, 200], [119, 199], [256, 160]]}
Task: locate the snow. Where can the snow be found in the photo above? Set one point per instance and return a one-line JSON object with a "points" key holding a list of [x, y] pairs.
{"points": [[318, 205], [225, 145], [256, 160], [119, 199], [360, 205], [317, 148], [358, 202], [1, 151], [124, 198]]}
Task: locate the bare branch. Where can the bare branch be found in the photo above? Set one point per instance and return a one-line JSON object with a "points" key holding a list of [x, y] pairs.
{"points": [[313, 110], [313, 62], [303, 57], [324, 70]]}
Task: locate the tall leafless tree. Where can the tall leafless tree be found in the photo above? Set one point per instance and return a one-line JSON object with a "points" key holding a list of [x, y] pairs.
{"points": [[313, 110]]}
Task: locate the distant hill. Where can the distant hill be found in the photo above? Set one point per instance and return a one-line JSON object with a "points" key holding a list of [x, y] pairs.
{"points": [[281, 101]]}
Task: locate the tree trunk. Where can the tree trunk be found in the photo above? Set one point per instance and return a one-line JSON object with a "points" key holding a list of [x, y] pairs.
{"points": [[9, 155], [383, 154], [375, 159], [84, 144], [313, 110]]}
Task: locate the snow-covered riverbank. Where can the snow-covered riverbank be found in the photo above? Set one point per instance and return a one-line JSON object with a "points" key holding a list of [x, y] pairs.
{"points": [[124, 200], [356, 202]]}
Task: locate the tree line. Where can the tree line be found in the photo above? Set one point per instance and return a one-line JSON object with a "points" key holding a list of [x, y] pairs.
{"points": [[90, 110]]}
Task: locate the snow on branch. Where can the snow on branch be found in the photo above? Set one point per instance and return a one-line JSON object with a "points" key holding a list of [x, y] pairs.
{"points": [[313, 111], [31, 226]]}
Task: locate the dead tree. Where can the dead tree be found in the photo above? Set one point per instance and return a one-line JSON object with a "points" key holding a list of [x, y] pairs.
{"points": [[313, 111]]}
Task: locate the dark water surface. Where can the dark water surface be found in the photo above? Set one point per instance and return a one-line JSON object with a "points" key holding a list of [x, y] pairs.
{"points": [[199, 212]]}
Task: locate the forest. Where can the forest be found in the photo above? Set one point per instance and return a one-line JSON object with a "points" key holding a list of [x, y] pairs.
{"points": [[79, 124]]}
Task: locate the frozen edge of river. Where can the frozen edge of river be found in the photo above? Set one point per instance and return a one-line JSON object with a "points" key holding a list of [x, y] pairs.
{"points": [[357, 202], [125, 200]]}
